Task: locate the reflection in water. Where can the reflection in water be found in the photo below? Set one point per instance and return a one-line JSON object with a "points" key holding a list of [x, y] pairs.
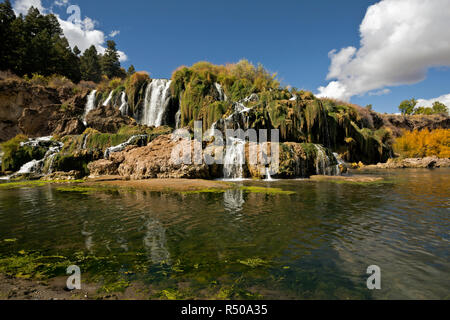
{"points": [[155, 242], [88, 241], [233, 200], [316, 243]]}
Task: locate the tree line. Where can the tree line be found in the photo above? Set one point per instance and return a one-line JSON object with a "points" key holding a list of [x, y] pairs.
{"points": [[35, 44], [409, 107]]}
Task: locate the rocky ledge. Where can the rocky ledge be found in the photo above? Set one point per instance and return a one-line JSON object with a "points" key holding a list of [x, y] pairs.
{"points": [[428, 162]]}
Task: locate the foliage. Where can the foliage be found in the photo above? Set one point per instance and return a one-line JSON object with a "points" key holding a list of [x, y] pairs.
{"points": [[424, 143], [110, 62], [134, 87], [35, 44], [90, 65], [437, 108], [407, 106]]}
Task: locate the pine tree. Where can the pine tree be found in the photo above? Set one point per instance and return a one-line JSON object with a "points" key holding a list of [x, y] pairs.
{"points": [[110, 61], [7, 40], [90, 65], [131, 70]]}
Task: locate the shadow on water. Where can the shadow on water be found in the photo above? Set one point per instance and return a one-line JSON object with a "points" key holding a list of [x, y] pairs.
{"points": [[314, 244]]}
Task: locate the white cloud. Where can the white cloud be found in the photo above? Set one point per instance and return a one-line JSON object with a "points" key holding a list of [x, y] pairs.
{"points": [[400, 41], [379, 92], [82, 34], [61, 3], [114, 33], [445, 99], [22, 6]]}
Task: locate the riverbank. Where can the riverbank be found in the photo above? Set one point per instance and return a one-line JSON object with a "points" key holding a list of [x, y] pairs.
{"points": [[398, 163]]}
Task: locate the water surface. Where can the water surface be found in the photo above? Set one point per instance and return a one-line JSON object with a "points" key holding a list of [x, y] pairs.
{"points": [[314, 244]]}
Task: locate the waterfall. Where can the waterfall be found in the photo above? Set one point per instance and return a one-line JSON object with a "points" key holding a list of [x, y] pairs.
{"points": [[136, 139], [222, 95], [36, 166], [157, 97], [124, 104], [234, 159], [178, 119], [90, 105], [268, 177], [339, 163], [324, 164], [108, 100]]}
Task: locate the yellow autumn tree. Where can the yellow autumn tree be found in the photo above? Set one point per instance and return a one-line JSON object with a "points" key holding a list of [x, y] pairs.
{"points": [[424, 143]]}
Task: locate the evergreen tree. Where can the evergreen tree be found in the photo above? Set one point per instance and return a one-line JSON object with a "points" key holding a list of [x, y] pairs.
{"points": [[110, 61], [90, 65], [131, 70], [7, 40], [76, 51]]}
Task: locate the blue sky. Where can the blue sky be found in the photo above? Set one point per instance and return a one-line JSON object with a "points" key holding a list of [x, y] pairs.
{"points": [[291, 38]]}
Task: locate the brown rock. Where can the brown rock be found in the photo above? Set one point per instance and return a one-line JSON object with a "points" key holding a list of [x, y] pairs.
{"points": [[107, 119], [103, 167]]}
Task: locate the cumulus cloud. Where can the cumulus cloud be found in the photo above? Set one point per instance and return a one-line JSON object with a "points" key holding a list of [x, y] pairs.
{"points": [[82, 34], [400, 41], [22, 6], [445, 99]]}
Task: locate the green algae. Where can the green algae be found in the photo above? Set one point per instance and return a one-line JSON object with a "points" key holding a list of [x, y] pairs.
{"points": [[34, 183], [273, 191]]}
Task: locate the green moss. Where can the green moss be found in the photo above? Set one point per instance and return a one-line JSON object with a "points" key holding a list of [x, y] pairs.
{"points": [[86, 189], [34, 183], [16, 156], [208, 190], [253, 189]]}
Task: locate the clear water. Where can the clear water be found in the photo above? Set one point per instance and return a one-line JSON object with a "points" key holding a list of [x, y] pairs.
{"points": [[314, 244]]}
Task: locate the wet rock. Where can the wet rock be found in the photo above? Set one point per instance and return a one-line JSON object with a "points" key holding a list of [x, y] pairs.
{"points": [[59, 175]]}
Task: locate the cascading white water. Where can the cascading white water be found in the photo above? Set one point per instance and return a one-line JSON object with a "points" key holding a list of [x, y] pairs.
{"points": [[339, 163], [234, 159], [134, 139], [323, 163], [222, 95], [108, 100], [36, 166], [157, 97], [178, 119], [90, 105], [124, 104], [268, 177]]}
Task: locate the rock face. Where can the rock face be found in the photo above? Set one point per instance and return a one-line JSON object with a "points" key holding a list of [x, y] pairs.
{"points": [[397, 123], [151, 161], [37, 111], [155, 161], [107, 119], [428, 162]]}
